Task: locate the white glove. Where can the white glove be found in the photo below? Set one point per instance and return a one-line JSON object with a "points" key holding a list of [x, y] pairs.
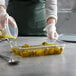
{"points": [[5, 18], [2, 3], [51, 32]]}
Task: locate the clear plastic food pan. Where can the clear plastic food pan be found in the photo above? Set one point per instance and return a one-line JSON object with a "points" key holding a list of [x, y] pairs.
{"points": [[42, 49]]}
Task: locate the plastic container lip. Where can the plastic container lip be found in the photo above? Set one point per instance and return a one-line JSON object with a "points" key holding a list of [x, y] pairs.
{"points": [[54, 44], [38, 47]]}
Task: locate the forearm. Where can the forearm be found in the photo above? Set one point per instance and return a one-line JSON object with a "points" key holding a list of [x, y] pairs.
{"points": [[51, 11]]}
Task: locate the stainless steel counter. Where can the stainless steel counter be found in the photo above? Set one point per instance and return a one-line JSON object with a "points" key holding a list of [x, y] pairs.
{"points": [[54, 65]]}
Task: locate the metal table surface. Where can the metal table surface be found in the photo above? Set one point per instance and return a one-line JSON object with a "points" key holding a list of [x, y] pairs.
{"points": [[54, 65]]}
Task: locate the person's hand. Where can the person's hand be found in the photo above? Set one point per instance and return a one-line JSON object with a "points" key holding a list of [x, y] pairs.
{"points": [[51, 31], [5, 18]]}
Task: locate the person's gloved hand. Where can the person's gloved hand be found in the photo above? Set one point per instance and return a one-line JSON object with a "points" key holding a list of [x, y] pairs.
{"points": [[5, 18], [51, 31]]}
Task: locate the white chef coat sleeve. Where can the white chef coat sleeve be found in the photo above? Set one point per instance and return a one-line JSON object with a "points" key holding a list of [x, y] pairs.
{"points": [[2, 2], [51, 9]]}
